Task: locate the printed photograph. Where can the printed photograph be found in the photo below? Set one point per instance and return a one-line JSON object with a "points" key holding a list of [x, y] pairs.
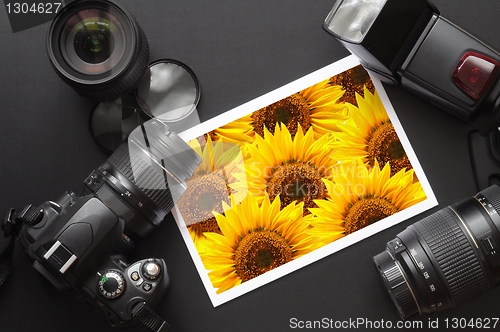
{"points": [[279, 185]]}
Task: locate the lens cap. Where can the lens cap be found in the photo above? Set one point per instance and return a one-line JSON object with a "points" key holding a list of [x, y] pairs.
{"points": [[111, 122], [169, 91]]}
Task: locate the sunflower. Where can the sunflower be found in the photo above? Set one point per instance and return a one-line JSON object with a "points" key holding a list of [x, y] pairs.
{"points": [[238, 132], [255, 238], [210, 186], [370, 135], [292, 168], [353, 81], [359, 196], [315, 106]]}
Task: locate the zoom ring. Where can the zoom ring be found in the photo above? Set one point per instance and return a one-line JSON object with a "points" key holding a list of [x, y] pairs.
{"points": [[151, 183], [454, 255]]}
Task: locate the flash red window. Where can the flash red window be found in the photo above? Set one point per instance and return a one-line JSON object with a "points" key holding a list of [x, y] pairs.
{"points": [[474, 73]]}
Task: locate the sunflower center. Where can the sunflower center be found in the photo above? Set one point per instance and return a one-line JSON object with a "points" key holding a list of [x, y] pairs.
{"points": [[360, 76], [353, 81], [385, 147], [203, 195], [282, 115], [290, 111], [396, 150], [366, 212], [209, 201], [296, 190], [297, 182], [259, 252], [209, 225]]}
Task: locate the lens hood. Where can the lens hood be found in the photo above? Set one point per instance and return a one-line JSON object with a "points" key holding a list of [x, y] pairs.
{"points": [[98, 48]]}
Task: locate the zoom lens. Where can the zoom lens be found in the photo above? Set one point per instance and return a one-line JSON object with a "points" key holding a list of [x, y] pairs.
{"points": [[98, 48], [445, 259], [145, 177]]}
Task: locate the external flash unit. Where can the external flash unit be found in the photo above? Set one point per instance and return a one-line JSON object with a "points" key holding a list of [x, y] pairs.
{"points": [[409, 43]]}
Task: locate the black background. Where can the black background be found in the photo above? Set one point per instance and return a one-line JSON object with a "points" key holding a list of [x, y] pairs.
{"points": [[239, 50]]}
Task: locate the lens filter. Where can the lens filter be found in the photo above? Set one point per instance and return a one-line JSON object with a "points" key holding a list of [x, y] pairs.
{"points": [[112, 122], [170, 92]]}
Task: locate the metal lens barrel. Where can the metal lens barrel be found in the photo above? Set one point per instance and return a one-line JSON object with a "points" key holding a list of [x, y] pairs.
{"points": [[98, 48], [145, 177], [445, 259]]}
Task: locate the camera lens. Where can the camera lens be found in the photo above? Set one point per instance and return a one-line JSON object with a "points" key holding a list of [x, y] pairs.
{"points": [[94, 44], [98, 48], [145, 177], [445, 259]]}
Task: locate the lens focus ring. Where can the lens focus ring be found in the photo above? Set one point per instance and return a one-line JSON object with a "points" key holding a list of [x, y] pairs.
{"points": [[454, 254]]}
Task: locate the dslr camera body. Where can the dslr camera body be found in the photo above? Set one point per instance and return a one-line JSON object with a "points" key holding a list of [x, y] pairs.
{"points": [[82, 242], [77, 242]]}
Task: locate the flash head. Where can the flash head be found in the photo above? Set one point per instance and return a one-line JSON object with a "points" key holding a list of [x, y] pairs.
{"points": [[410, 43], [353, 18], [379, 32]]}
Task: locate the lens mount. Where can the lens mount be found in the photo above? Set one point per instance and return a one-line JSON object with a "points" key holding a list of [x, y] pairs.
{"points": [[395, 282], [98, 48]]}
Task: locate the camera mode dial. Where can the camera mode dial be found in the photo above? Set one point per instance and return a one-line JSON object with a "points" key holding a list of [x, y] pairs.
{"points": [[151, 269], [111, 284]]}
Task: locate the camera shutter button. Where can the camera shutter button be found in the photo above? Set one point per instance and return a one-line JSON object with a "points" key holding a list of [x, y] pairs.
{"points": [[151, 270]]}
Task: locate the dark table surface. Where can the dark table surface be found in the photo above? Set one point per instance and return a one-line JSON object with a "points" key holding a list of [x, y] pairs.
{"points": [[239, 50]]}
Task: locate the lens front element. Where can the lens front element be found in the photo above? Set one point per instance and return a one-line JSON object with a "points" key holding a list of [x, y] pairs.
{"points": [[93, 42]]}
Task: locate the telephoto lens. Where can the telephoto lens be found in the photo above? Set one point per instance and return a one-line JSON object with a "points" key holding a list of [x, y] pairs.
{"points": [[445, 259], [98, 48]]}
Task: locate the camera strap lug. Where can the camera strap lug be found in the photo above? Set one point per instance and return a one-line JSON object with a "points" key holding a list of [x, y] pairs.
{"points": [[30, 215], [149, 318], [6, 261], [11, 225]]}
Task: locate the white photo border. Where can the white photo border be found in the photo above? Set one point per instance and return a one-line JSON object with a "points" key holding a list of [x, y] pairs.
{"points": [[263, 101]]}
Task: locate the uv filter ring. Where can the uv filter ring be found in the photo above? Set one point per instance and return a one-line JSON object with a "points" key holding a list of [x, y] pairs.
{"points": [[112, 121], [169, 91]]}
